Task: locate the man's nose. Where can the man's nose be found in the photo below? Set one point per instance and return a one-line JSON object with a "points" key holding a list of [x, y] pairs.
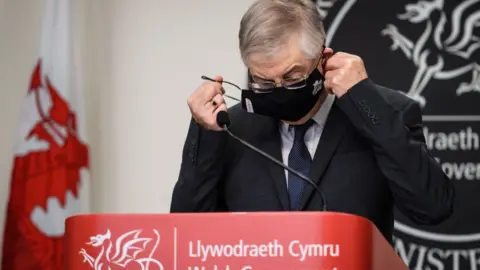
{"points": [[278, 83]]}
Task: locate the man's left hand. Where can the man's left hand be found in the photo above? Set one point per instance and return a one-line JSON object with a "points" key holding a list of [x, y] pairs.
{"points": [[342, 72]]}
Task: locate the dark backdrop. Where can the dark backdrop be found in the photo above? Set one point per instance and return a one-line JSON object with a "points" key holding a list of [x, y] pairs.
{"points": [[429, 50], [431, 53]]}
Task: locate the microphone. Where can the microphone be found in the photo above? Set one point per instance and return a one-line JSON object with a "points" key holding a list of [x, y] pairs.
{"points": [[223, 120]]}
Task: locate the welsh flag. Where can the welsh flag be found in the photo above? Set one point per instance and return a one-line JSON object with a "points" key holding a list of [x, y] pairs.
{"points": [[49, 180]]}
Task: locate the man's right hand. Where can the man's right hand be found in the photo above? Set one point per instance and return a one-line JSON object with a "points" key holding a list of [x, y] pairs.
{"points": [[206, 102]]}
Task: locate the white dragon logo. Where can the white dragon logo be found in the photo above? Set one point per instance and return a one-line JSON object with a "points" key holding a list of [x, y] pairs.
{"points": [[127, 248], [427, 52]]}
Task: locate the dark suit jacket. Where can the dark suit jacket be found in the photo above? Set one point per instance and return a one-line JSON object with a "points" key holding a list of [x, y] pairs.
{"points": [[371, 155]]}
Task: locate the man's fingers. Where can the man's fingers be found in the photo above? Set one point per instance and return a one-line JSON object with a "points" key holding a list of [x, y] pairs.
{"points": [[212, 119], [334, 62], [343, 55], [217, 101], [208, 91], [218, 79], [206, 102], [222, 107], [331, 79], [327, 84], [331, 73]]}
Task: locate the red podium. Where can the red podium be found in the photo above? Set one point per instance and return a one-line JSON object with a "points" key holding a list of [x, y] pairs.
{"points": [[227, 241]]}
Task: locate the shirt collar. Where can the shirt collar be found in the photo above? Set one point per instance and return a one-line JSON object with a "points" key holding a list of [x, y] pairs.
{"points": [[320, 117]]}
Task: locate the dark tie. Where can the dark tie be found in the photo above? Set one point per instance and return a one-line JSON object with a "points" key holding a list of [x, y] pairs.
{"points": [[300, 160]]}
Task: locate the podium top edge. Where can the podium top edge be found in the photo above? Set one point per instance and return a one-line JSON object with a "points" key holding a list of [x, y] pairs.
{"points": [[220, 214]]}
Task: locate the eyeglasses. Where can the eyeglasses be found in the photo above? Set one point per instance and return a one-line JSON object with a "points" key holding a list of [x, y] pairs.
{"points": [[288, 83], [267, 87]]}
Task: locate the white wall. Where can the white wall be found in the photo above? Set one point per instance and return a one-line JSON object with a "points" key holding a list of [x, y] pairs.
{"points": [[142, 59]]}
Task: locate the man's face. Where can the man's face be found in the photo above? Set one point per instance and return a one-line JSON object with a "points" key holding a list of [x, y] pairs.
{"points": [[289, 63]]}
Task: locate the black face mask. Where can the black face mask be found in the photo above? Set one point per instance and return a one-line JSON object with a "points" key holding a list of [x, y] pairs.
{"points": [[285, 104]]}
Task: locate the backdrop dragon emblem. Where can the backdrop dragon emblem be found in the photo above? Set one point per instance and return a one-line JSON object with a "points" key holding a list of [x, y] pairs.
{"points": [[127, 250], [445, 48]]}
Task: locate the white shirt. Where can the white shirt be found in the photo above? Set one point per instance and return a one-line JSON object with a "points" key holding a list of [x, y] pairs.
{"points": [[312, 136]]}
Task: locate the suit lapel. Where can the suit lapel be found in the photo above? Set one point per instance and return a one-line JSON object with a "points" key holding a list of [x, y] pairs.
{"points": [[272, 145], [331, 136]]}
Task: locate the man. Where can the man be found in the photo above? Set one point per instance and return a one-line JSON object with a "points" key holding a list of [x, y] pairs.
{"points": [[361, 143]]}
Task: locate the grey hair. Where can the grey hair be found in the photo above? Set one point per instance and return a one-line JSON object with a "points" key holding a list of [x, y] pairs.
{"points": [[270, 25]]}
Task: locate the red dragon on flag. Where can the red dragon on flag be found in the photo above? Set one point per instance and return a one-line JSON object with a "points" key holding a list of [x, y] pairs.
{"points": [[44, 182]]}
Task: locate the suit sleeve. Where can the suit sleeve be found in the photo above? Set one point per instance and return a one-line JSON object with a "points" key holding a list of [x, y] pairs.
{"points": [[420, 188], [197, 188]]}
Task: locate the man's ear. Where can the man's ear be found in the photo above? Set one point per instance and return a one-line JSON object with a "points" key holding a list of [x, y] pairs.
{"points": [[327, 52]]}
